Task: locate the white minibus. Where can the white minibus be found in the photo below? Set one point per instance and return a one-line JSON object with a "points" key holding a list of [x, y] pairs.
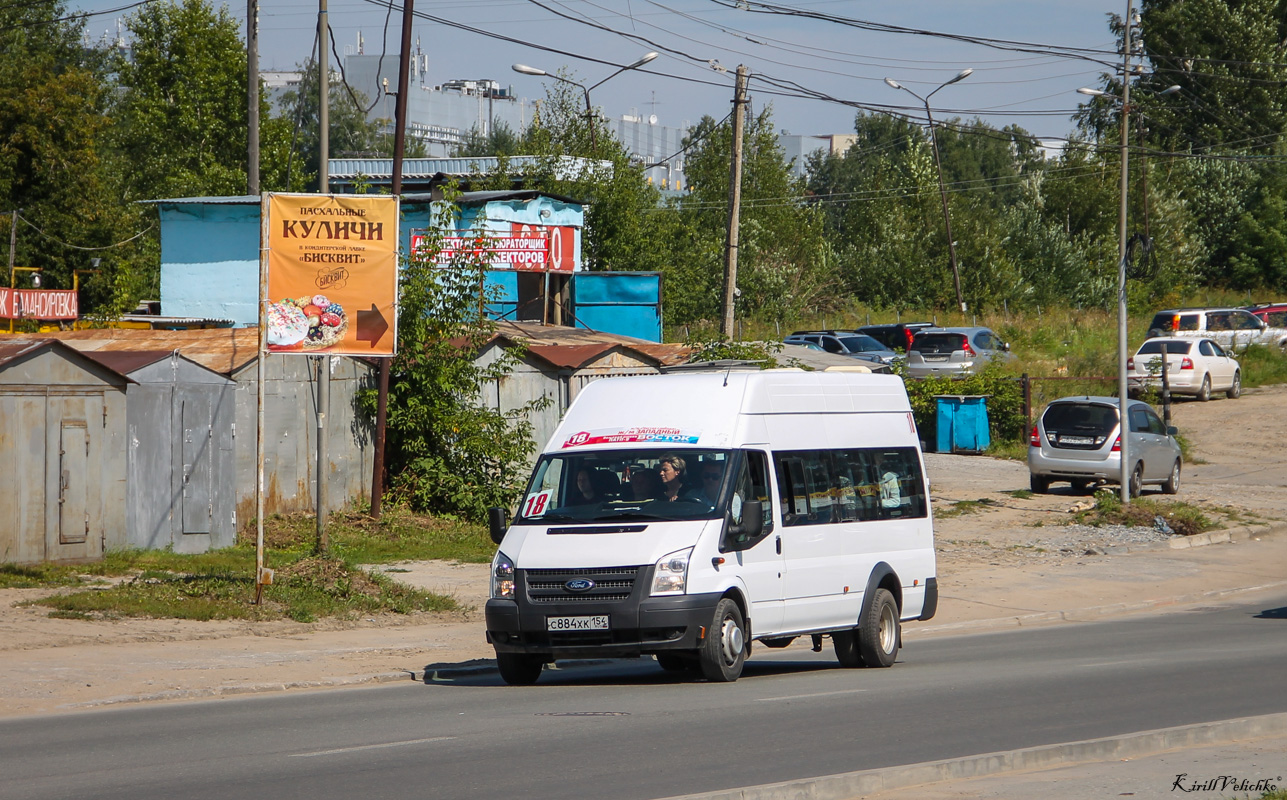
{"points": [[685, 516]]}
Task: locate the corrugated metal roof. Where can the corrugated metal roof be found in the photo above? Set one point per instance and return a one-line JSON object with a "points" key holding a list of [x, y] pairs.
{"points": [[126, 361], [156, 320], [420, 168], [536, 335], [19, 346], [245, 200], [11, 349], [577, 356], [224, 350]]}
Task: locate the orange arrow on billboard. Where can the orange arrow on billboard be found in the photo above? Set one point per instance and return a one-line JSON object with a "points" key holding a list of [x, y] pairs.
{"points": [[371, 325]]}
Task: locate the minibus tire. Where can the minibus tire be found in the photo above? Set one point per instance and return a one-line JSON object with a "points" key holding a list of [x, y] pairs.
{"points": [[845, 643], [879, 635], [519, 669], [726, 623]]}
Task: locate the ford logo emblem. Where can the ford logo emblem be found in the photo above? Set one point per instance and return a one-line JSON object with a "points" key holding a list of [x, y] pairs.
{"points": [[579, 585]]}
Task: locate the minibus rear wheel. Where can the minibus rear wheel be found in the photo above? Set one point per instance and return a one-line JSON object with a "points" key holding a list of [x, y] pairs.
{"points": [[879, 636], [723, 652]]}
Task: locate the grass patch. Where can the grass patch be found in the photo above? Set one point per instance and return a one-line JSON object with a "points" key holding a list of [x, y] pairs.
{"points": [[1263, 366], [1184, 518], [306, 587], [36, 576], [1020, 494], [961, 507]]}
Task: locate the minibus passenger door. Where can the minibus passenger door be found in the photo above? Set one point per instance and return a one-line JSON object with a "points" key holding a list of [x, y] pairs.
{"points": [[752, 546]]}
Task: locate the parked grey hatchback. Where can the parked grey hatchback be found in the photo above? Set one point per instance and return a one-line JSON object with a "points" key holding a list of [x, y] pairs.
{"points": [[1078, 440], [954, 351]]}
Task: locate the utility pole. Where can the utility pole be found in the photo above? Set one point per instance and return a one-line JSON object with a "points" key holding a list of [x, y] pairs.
{"points": [[1124, 422], [323, 108], [399, 150], [252, 97], [13, 244], [734, 203]]}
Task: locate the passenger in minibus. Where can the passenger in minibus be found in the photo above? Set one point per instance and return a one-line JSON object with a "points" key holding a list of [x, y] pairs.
{"points": [[712, 472], [671, 471], [645, 484]]}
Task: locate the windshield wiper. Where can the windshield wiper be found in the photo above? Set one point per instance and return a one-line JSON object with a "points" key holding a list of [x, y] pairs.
{"points": [[628, 515], [544, 518]]}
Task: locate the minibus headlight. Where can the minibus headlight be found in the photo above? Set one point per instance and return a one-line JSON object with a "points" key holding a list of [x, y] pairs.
{"points": [[503, 577], [671, 574]]}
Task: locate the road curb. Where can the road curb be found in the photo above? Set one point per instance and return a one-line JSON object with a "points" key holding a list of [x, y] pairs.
{"points": [[1085, 614], [849, 785], [1223, 536], [430, 674]]}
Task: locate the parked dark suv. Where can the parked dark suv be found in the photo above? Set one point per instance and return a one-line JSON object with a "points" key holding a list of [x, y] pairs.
{"points": [[896, 335]]}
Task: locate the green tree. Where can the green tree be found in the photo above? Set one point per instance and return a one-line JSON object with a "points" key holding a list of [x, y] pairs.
{"points": [[52, 106], [180, 107], [448, 453], [501, 140], [350, 132], [1228, 56], [784, 262]]}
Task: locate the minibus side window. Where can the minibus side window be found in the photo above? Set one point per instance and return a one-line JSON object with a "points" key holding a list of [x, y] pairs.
{"points": [[848, 478], [758, 485], [823, 486], [794, 492], [752, 484], [807, 487], [891, 486]]}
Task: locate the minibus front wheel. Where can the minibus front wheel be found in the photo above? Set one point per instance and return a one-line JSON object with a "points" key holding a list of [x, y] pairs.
{"points": [[723, 651], [519, 669]]}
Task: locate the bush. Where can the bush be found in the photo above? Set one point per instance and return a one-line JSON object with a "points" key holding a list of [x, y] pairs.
{"points": [[1007, 422]]}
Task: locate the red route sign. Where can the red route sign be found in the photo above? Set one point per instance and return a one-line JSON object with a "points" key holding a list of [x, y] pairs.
{"points": [[38, 304]]}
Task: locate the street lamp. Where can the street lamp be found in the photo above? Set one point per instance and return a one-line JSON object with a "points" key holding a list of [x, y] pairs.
{"points": [[35, 284], [947, 219], [1122, 393], [523, 69]]}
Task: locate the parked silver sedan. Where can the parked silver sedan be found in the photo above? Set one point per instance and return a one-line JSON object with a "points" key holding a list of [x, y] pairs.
{"points": [[954, 351], [1077, 439]]}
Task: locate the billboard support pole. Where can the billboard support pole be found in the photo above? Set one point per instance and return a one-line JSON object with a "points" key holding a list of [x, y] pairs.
{"points": [[259, 397]]}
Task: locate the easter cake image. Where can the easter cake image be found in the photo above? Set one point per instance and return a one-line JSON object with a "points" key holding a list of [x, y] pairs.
{"points": [[306, 323]]}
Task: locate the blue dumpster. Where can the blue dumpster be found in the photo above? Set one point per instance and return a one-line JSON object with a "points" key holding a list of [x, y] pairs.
{"points": [[961, 424]]}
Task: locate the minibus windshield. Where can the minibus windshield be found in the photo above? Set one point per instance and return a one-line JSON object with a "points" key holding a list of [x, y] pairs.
{"points": [[626, 484]]}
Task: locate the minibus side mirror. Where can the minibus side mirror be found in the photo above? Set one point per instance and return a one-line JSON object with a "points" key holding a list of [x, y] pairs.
{"points": [[740, 537], [496, 523]]}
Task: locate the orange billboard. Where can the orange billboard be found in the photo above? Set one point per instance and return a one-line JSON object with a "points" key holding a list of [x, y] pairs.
{"points": [[332, 274]]}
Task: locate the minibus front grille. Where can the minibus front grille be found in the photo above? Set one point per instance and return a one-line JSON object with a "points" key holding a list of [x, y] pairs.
{"points": [[610, 584]]}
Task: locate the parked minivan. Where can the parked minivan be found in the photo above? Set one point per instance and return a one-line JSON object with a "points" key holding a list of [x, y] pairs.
{"points": [[733, 507], [1233, 328]]}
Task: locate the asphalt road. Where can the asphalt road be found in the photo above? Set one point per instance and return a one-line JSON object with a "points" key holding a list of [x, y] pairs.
{"points": [[629, 730]]}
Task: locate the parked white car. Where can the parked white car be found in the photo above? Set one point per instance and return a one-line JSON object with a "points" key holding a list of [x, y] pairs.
{"points": [[1194, 367]]}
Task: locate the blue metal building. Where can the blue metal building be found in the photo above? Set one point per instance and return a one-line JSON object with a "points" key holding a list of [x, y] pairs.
{"points": [[210, 261]]}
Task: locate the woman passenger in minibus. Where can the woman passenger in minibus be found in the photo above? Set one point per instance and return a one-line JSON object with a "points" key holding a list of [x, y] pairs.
{"points": [[671, 471], [585, 492]]}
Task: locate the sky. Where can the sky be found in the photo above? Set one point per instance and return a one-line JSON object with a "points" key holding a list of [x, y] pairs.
{"points": [[789, 56]]}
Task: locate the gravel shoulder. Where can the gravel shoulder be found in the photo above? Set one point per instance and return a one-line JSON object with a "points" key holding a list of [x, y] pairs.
{"points": [[1006, 561]]}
